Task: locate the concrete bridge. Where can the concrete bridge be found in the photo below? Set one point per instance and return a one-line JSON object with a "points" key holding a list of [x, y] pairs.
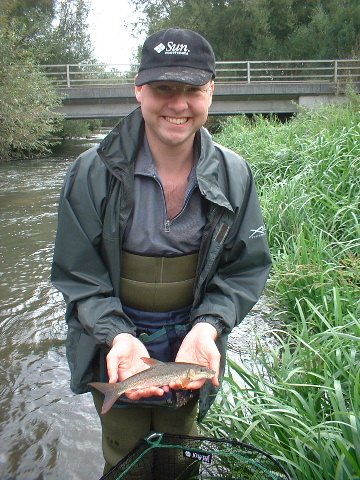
{"points": [[100, 91]]}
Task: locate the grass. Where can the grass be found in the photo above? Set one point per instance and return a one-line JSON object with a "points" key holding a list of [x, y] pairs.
{"points": [[302, 399]]}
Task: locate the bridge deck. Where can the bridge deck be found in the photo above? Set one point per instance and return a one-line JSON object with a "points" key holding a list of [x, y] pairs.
{"points": [[91, 91]]}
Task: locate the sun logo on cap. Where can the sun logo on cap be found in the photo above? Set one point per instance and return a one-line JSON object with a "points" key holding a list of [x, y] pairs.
{"points": [[159, 48]]}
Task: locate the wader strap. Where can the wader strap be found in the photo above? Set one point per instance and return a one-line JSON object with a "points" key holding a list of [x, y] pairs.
{"points": [[157, 284]]}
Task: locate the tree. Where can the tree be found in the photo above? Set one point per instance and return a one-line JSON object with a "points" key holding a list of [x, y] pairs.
{"points": [[32, 22], [27, 101], [231, 26], [34, 33], [333, 31], [54, 31], [69, 41], [262, 29]]}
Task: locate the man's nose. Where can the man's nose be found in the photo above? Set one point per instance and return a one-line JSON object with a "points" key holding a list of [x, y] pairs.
{"points": [[178, 100]]}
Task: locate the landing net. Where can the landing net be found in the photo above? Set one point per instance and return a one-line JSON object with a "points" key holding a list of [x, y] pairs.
{"points": [[162, 456]]}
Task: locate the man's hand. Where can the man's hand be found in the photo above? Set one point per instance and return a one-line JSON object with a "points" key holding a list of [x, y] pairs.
{"points": [[124, 360], [199, 347]]}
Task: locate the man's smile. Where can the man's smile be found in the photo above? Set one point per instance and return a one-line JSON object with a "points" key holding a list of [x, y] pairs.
{"points": [[176, 121]]}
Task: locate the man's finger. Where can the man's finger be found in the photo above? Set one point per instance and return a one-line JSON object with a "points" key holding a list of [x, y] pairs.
{"points": [[112, 368], [144, 393]]}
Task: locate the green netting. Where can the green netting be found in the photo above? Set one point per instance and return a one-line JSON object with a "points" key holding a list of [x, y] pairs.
{"points": [[162, 456]]}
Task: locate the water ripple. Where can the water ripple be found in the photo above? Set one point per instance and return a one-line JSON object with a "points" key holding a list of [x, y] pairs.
{"points": [[36, 404]]}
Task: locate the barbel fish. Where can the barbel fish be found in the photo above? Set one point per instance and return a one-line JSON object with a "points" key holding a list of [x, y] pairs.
{"points": [[157, 375]]}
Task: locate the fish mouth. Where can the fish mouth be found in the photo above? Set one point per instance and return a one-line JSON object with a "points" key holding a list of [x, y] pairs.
{"points": [[176, 120]]}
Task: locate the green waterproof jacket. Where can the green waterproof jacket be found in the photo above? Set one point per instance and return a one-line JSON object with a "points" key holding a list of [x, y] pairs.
{"points": [[96, 201]]}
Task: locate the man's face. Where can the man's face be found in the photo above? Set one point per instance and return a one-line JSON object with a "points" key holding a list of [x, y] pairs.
{"points": [[173, 111]]}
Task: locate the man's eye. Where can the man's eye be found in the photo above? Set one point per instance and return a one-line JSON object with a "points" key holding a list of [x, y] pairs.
{"points": [[193, 90], [164, 89], [169, 90]]}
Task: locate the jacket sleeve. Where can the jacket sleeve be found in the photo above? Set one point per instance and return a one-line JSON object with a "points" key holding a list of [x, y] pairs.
{"points": [[238, 265], [78, 269]]}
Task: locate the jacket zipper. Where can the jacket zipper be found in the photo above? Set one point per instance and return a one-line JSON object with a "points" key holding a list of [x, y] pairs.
{"points": [[168, 221], [186, 202]]}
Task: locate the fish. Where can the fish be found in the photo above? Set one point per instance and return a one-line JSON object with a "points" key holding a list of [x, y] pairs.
{"points": [[158, 374]]}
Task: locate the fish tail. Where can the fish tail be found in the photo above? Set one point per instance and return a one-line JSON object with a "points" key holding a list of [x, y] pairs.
{"points": [[111, 392]]}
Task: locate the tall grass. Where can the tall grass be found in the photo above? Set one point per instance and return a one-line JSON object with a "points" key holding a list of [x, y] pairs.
{"points": [[302, 400]]}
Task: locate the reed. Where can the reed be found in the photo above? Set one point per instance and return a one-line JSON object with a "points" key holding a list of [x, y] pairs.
{"points": [[302, 399]]}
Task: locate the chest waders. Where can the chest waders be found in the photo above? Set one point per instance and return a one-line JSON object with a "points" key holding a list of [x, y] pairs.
{"points": [[157, 294]]}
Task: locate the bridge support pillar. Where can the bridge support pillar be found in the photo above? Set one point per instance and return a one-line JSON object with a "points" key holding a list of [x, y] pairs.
{"points": [[311, 101]]}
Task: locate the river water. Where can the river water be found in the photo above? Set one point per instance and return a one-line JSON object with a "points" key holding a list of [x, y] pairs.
{"points": [[46, 432]]}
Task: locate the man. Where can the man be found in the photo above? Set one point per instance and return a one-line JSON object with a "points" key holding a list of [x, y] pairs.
{"points": [[160, 249]]}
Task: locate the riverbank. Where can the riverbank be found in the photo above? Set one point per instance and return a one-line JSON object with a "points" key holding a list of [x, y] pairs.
{"points": [[300, 399]]}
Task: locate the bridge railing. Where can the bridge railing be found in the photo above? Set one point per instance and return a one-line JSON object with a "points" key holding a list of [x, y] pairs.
{"points": [[247, 72]]}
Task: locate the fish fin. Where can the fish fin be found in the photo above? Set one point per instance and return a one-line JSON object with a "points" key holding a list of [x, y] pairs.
{"points": [[151, 361], [185, 382], [111, 392]]}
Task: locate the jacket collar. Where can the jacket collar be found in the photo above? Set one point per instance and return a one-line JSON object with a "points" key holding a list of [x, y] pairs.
{"points": [[119, 149], [210, 171]]}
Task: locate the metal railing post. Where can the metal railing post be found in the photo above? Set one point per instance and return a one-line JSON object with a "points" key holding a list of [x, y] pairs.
{"points": [[335, 71], [68, 75], [248, 72]]}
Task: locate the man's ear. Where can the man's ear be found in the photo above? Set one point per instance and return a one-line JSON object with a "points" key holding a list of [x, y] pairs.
{"points": [[212, 89], [138, 91]]}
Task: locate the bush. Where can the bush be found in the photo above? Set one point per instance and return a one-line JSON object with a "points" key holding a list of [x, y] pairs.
{"points": [[79, 128], [302, 399]]}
